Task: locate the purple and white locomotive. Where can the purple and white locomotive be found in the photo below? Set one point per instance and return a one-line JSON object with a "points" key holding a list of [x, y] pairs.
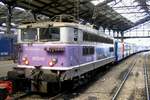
{"points": [[51, 53], [61, 50]]}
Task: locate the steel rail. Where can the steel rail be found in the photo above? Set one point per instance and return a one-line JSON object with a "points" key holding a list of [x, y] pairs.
{"points": [[146, 79], [56, 96], [124, 80], [21, 96]]}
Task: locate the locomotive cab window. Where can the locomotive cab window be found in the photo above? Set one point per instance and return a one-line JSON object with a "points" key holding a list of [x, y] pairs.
{"points": [[49, 34], [29, 34]]}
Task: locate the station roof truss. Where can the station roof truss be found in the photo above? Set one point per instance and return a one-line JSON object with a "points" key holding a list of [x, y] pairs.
{"points": [[116, 15]]}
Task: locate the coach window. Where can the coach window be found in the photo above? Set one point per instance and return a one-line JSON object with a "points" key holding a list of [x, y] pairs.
{"points": [[49, 34]]}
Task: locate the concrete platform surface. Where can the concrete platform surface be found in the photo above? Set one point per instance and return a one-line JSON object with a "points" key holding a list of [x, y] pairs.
{"points": [[6, 66]]}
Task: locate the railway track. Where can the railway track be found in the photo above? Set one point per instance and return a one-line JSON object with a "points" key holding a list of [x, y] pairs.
{"points": [[23, 95], [79, 93], [146, 77], [74, 95], [117, 92]]}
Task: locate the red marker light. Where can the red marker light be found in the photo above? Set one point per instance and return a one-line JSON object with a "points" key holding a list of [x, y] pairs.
{"points": [[52, 62]]}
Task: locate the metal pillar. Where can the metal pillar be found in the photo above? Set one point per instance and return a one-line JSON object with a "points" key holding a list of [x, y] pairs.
{"points": [[122, 40], [113, 33], [109, 31], [122, 35], [117, 33], [143, 29], [35, 16], [136, 31], [8, 19], [104, 30]]}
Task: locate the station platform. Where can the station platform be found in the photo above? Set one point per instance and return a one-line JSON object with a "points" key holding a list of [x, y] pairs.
{"points": [[6, 66]]}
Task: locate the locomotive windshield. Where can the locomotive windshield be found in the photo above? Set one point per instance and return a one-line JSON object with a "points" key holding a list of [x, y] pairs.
{"points": [[49, 34], [29, 34], [45, 34]]}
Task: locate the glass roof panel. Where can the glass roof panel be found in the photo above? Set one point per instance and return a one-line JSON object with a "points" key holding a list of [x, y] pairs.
{"points": [[96, 2], [129, 9]]}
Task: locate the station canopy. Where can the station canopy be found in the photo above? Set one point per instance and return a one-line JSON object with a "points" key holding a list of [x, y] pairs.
{"points": [[117, 15]]}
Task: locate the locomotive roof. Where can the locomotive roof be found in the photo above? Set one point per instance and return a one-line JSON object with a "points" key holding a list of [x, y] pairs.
{"points": [[86, 28]]}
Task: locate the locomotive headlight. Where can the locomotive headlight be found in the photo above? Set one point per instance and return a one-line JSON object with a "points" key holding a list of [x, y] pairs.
{"points": [[52, 62], [25, 60]]}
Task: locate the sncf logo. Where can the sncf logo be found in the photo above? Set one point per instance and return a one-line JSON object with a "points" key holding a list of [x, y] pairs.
{"points": [[37, 58]]}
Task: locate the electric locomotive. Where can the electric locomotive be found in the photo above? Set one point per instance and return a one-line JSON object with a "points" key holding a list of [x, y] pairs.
{"points": [[54, 52]]}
